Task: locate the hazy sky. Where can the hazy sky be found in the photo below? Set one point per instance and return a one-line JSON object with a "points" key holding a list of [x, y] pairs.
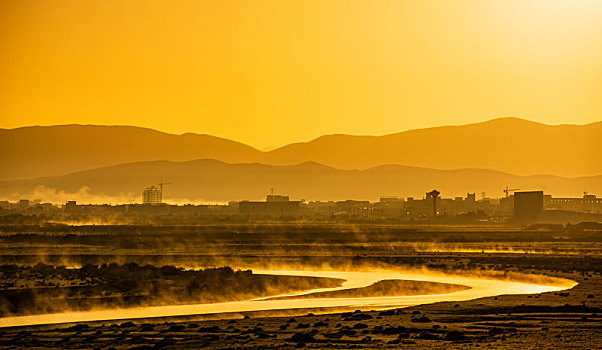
{"points": [[272, 72]]}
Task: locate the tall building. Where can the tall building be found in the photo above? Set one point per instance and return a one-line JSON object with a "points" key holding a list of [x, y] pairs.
{"points": [[151, 195], [528, 205]]}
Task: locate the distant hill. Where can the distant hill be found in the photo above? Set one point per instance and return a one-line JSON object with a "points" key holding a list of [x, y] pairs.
{"points": [[215, 181], [508, 144], [57, 150]]}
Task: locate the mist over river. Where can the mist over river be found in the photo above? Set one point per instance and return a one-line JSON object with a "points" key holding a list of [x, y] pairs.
{"points": [[478, 287]]}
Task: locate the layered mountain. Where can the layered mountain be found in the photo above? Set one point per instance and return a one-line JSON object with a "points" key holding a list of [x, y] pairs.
{"points": [[508, 144], [216, 181], [57, 150]]}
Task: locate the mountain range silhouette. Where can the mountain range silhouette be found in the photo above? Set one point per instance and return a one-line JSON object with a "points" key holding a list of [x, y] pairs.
{"points": [[510, 145], [482, 157]]}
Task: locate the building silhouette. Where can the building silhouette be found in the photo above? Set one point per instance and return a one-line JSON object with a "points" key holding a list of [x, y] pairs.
{"points": [[152, 196], [589, 203], [277, 198], [275, 205], [528, 205]]}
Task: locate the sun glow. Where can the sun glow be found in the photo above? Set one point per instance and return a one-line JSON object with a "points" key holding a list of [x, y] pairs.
{"points": [[244, 70]]}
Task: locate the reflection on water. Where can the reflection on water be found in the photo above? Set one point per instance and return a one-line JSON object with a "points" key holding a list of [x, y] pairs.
{"points": [[480, 287]]}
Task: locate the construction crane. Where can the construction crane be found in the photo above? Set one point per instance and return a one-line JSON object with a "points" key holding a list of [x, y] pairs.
{"points": [[508, 190], [161, 189]]}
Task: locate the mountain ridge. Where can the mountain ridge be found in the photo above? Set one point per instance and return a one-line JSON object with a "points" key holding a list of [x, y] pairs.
{"points": [[509, 144]]}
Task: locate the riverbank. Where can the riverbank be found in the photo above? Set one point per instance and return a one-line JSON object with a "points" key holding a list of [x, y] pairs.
{"points": [[546, 320], [45, 289], [473, 285], [531, 319]]}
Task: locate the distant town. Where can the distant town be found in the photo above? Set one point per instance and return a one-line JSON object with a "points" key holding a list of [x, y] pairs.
{"points": [[515, 208]]}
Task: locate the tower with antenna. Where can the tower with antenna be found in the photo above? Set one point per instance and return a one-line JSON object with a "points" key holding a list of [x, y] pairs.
{"points": [[434, 194]]}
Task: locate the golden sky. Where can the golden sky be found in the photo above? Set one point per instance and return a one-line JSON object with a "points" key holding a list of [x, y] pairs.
{"points": [[273, 72]]}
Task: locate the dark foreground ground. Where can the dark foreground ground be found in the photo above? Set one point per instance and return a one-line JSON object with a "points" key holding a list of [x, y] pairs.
{"points": [[568, 319]]}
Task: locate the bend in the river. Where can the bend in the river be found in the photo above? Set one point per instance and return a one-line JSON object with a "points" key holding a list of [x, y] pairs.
{"points": [[479, 287]]}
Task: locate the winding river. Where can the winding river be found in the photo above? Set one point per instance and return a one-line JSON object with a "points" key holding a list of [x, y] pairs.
{"points": [[480, 287]]}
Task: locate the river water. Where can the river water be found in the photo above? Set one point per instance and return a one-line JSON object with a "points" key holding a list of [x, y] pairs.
{"points": [[480, 287]]}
